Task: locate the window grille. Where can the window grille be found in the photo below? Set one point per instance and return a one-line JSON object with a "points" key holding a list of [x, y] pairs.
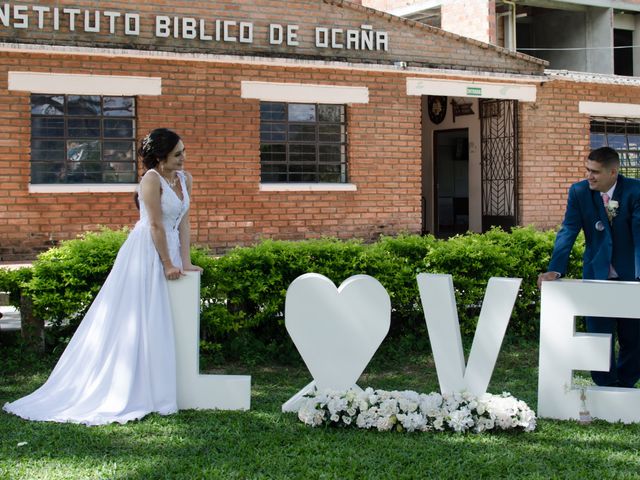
{"points": [[303, 142], [83, 139], [622, 134]]}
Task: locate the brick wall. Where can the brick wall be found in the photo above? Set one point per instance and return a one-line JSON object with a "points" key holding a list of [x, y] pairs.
{"points": [[555, 144], [201, 100], [471, 18], [221, 132]]}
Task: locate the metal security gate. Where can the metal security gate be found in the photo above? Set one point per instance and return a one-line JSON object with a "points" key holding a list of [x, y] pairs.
{"points": [[499, 163]]}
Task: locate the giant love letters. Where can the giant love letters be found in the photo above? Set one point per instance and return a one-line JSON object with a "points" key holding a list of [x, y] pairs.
{"points": [[337, 331]]}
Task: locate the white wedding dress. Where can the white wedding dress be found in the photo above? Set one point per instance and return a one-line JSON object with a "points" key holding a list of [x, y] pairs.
{"points": [[120, 364]]}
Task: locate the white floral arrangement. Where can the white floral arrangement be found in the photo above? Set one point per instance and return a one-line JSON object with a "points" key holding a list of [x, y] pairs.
{"points": [[612, 209], [411, 411]]}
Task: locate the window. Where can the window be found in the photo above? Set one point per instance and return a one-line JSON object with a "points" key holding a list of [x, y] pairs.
{"points": [[303, 142], [82, 139], [623, 52], [622, 134]]}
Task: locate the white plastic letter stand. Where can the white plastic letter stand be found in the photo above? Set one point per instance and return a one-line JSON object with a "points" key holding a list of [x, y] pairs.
{"points": [[562, 350], [336, 330], [224, 392], [441, 315]]}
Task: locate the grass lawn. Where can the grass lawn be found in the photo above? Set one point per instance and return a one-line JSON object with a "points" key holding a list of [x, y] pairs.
{"points": [[265, 443]]}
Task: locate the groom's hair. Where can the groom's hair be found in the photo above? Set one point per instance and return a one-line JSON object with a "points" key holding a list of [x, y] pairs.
{"points": [[606, 156]]}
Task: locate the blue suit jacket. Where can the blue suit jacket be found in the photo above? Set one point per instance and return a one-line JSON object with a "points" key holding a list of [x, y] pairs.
{"points": [[616, 244]]}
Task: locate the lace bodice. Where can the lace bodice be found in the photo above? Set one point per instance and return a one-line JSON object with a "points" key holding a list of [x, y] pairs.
{"points": [[173, 209]]}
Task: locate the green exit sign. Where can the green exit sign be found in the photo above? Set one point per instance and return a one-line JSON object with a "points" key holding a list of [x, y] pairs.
{"points": [[474, 91]]}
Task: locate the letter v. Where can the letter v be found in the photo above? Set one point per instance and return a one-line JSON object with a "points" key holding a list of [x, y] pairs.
{"points": [[441, 315]]}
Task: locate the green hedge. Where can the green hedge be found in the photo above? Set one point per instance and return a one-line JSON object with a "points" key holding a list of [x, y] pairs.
{"points": [[243, 292], [250, 284]]}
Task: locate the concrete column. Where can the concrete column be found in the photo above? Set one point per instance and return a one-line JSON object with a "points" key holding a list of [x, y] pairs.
{"points": [[599, 33], [636, 41]]}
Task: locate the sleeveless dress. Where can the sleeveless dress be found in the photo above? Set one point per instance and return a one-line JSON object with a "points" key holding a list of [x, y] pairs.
{"points": [[120, 364]]}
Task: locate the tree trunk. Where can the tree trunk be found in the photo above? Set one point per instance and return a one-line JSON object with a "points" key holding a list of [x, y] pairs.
{"points": [[31, 327]]}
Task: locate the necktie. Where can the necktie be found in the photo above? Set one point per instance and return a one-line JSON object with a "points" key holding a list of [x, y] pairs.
{"points": [[605, 200]]}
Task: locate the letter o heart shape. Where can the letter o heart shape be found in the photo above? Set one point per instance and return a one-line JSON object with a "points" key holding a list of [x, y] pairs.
{"points": [[337, 330]]}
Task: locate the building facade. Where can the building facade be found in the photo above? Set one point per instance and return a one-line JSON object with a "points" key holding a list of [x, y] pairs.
{"points": [[300, 119]]}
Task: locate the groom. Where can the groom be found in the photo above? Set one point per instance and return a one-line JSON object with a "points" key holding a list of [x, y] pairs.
{"points": [[606, 207]]}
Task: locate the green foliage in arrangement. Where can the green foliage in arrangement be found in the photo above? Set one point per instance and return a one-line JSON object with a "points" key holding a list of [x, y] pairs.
{"points": [[243, 292]]}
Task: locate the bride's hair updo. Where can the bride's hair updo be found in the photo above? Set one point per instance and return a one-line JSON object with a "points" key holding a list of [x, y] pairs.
{"points": [[156, 146]]}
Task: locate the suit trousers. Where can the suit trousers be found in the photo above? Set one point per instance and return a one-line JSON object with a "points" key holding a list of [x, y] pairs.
{"points": [[624, 372]]}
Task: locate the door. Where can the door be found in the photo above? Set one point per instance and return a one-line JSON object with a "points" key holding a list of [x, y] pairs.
{"points": [[499, 162], [451, 165]]}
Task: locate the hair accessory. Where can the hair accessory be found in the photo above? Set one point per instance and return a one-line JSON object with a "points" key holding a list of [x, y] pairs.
{"points": [[146, 143]]}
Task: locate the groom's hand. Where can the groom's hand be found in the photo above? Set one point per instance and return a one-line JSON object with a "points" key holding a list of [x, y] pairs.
{"points": [[547, 277]]}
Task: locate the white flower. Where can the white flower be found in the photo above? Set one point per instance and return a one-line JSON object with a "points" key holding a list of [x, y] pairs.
{"points": [[468, 396], [385, 424], [484, 424], [527, 420], [362, 421], [431, 404], [388, 408], [407, 405], [438, 423], [337, 404], [460, 420], [451, 401], [147, 143], [309, 415], [410, 411], [412, 421]]}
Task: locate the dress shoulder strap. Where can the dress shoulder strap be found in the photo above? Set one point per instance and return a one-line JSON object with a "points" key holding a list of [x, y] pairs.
{"points": [[163, 181], [152, 170]]}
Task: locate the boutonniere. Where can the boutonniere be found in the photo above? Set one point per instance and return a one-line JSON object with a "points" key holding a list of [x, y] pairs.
{"points": [[612, 209]]}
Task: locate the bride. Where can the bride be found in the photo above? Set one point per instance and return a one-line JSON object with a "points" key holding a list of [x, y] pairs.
{"points": [[120, 363]]}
